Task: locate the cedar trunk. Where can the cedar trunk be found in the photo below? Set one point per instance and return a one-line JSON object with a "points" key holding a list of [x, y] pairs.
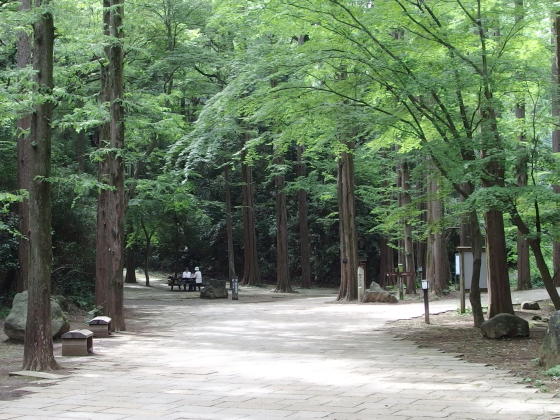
{"points": [[23, 175], [229, 223], [437, 270], [556, 133], [408, 250], [282, 263], [251, 272], [110, 215], [303, 226], [38, 345], [347, 226], [499, 293]]}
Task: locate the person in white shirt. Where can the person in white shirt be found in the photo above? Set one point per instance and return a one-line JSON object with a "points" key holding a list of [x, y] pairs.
{"points": [[186, 275], [197, 276]]}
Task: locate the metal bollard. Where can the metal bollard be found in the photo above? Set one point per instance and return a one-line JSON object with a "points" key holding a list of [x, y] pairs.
{"points": [[234, 288]]}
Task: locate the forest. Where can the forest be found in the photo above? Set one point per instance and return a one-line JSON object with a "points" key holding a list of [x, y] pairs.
{"points": [[281, 141]]}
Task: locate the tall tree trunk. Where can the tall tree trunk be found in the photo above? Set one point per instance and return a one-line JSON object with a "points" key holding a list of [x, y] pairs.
{"points": [[130, 266], [301, 171], [499, 293], [347, 225], [148, 237], [438, 270], [282, 262], [408, 253], [23, 175], [229, 223], [386, 260], [476, 241], [523, 265], [110, 217], [556, 133], [38, 346], [251, 272]]}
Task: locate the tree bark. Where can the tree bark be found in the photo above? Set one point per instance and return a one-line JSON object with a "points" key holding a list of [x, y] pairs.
{"points": [[408, 249], [438, 270], [301, 171], [229, 223], [347, 225], [556, 133], [110, 216], [23, 126], [38, 346], [282, 262], [251, 272], [499, 293], [476, 241]]}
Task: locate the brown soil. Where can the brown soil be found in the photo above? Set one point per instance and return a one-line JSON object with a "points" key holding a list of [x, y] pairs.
{"points": [[11, 357], [454, 333]]}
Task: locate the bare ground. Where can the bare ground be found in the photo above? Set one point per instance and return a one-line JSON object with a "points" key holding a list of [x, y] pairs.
{"points": [[11, 358], [454, 333]]}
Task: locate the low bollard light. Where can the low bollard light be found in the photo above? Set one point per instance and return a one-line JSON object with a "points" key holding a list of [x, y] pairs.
{"points": [[425, 286], [234, 288]]}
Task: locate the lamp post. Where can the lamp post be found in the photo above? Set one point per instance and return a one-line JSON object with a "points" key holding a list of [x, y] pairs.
{"points": [[425, 286]]}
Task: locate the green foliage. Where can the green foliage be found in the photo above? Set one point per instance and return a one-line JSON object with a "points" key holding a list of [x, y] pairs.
{"points": [[553, 371]]}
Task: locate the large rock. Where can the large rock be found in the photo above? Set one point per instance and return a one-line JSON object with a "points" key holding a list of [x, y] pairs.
{"points": [[533, 306], [15, 322], [505, 326], [382, 297], [375, 287], [549, 352], [216, 289]]}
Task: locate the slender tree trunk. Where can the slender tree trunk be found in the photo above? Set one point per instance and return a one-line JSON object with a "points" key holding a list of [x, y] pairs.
{"points": [[408, 255], [347, 225], [387, 260], [23, 147], [523, 266], [102, 252], [251, 272], [438, 270], [38, 346], [476, 241], [282, 262], [229, 223], [303, 227], [556, 133], [130, 266]]}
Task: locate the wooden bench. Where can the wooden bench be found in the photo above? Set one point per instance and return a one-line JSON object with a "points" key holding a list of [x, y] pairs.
{"points": [[178, 281], [77, 343], [100, 326]]}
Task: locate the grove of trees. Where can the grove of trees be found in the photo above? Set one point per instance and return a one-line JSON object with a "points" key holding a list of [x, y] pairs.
{"points": [[282, 141]]}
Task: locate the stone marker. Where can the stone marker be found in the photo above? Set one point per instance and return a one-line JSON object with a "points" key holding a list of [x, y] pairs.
{"points": [[216, 289], [505, 325], [549, 352], [534, 306], [15, 322]]}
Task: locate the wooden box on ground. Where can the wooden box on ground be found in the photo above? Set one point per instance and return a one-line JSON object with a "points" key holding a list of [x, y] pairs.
{"points": [[77, 343], [100, 326]]}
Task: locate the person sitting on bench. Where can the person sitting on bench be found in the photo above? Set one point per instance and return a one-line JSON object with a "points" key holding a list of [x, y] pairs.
{"points": [[186, 275]]}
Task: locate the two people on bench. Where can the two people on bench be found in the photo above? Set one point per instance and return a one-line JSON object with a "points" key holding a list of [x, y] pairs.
{"points": [[187, 275]]}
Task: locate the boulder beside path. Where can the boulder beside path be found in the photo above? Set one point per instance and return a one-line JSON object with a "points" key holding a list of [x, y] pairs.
{"points": [[549, 352], [505, 326], [15, 322]]}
